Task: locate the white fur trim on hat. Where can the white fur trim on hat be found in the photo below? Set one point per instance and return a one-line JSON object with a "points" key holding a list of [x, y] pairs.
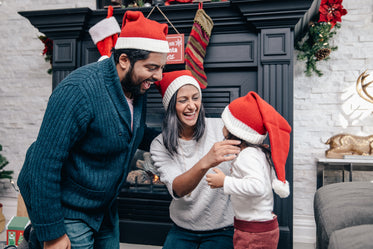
{"points": [[105, 28], [148, 44], [176, 84], [240, 129], [103, 57], [282, 189]]}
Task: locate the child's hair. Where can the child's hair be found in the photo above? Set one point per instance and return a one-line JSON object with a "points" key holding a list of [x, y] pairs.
{"points": [[266, 150]]}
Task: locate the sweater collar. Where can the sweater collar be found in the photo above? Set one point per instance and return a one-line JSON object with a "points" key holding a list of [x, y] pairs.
{"points": [[116, 93]]}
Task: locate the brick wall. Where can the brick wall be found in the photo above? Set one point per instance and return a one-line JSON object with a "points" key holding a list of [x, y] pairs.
{"points": [[323, 106], [328, 105]]}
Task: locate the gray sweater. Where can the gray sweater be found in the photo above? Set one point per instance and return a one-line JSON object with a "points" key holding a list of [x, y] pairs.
{"points": [[205, 209]]}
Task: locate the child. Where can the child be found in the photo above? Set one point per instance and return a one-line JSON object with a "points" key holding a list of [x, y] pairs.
{"points": [[250, 185]]}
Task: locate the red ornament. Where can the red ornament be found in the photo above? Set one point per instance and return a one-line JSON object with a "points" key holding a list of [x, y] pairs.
{"points": [[331, 11]]}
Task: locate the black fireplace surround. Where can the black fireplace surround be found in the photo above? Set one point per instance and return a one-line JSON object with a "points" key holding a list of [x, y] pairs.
{"points": [[251, 48]]}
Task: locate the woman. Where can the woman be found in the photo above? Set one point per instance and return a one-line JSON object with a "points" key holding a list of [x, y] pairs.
{"points": [[189, 146]]}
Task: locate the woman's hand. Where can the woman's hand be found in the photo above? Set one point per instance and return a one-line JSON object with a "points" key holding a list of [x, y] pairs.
{"points": [[62, 242], [220, 152], [216, 180]]}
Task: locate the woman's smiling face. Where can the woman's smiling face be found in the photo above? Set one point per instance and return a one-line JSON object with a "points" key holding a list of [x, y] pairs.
{"points": [[188, 104]]}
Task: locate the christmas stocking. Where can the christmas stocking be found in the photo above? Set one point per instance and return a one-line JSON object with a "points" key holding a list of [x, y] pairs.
{"points": [[105, 34], [197, 43]]}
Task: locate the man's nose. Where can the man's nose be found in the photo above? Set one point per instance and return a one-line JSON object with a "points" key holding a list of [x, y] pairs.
{"points": [[158, 74]]}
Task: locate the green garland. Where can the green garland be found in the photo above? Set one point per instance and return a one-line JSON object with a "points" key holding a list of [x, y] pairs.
{"points": [[3, 162], [315, 45], [47, 51]]}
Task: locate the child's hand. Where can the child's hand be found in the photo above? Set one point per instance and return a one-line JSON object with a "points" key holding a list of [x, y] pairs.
{"points": [[216, 180]]}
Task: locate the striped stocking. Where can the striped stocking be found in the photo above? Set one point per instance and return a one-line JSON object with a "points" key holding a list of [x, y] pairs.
{"points": [[197, 43]]}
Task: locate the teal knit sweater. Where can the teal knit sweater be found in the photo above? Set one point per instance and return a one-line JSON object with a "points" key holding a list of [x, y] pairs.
{"points": [[80, 158]]}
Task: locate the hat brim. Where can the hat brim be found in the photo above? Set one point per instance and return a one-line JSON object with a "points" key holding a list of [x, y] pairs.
{"points": [[148, 44]]}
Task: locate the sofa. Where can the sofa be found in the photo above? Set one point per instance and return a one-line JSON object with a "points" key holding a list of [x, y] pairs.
{"points": [[344, 216]]}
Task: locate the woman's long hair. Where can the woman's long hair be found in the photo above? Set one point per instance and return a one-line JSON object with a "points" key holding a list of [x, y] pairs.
{"points": [[172, 127]]}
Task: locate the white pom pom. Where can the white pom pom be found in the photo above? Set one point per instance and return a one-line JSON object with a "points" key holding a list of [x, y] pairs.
{"points": [[281, 189], [103, 57]]}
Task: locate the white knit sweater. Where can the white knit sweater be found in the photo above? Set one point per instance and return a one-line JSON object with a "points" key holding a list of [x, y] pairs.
{"points": [[206, 208], [250, 186]]}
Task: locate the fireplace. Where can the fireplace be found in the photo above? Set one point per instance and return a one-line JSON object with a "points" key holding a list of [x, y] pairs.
{"points": [[251, 48], [143, 204]]}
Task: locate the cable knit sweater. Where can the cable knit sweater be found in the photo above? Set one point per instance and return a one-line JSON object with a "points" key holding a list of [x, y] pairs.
{"points": [[80, 159], [205, 209]]}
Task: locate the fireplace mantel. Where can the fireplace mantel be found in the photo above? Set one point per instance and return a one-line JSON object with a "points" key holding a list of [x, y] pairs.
{"points": [[251, 48]]}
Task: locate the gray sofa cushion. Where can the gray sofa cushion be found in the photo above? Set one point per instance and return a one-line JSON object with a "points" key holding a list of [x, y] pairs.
{"points": [[341, 205], [356, 237]]}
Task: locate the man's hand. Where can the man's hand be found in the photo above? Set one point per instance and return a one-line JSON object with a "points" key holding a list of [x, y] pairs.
{"points": [[62, 242], [216, 180]]}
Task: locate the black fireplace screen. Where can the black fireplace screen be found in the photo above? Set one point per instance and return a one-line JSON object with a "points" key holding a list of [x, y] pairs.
{"points": [[143, 204]]}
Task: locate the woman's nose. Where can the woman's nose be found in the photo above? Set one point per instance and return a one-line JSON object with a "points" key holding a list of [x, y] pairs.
{"points": [[191, 105]]}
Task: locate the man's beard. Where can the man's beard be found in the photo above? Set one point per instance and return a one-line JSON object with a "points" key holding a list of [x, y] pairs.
{"points": [[129, 86]]}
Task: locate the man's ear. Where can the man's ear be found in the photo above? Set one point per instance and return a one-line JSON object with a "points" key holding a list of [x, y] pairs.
{"points": [[124, 61]]}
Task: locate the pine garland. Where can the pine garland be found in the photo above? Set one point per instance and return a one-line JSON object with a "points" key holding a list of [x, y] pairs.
{"points": [[3, 163], [315, 46], [47, 51]]}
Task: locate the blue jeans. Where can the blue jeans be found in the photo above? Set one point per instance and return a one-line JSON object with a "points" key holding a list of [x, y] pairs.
{"points": [[185, 239], [83, 236]]}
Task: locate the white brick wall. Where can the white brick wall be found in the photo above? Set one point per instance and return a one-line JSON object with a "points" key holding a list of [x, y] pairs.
{"points": [[323, 106], [328, 105]]}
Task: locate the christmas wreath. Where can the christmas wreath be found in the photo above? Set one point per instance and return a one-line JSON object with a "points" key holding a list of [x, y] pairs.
{"points": [[315, 45]]}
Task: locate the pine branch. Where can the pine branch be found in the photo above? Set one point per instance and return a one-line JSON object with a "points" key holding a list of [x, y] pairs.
{"points": [[315, 46], [3, 163]]}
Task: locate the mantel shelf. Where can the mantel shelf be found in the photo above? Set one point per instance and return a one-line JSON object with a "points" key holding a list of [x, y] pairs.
{"points": [[356, 160]]}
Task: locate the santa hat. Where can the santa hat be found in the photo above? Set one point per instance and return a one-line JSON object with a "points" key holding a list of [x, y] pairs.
{"points": [[139, 32], [105, 33], [251, 118], [172, 81]]}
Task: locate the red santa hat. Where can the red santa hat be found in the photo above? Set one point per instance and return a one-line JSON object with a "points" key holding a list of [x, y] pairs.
{"points": [[105, 33], [172, 81], [251, 118], [139, 32]]}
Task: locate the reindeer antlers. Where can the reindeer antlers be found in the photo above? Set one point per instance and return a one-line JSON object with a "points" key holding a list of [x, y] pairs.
{"points": [[361, 87]]}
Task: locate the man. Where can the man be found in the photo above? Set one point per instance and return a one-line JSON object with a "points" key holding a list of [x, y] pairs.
{"points": [[93, 124]]}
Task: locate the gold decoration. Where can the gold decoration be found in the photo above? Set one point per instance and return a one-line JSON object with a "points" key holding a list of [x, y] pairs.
{"points": [[2, 218], [361, 87], [347, 144]]}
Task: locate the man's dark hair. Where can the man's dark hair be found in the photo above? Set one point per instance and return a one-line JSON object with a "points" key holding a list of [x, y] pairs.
{"points": [[172, 127], [132, 54]]}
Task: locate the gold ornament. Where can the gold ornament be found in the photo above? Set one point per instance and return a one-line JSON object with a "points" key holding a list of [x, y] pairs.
{"points": [[347, 144], [2, 218], [361, 87]]}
